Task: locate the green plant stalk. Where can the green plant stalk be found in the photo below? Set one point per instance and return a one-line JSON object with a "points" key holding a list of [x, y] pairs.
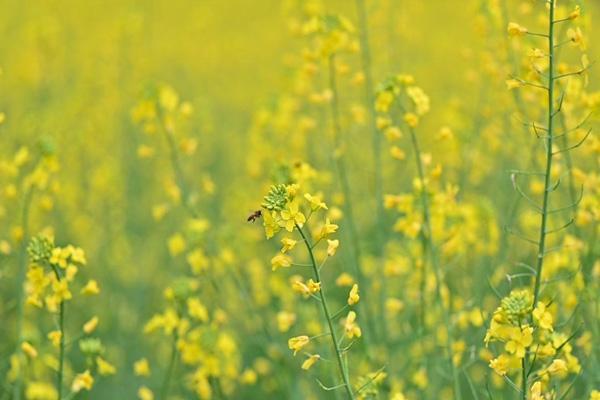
{"points": [[62, 342], [164, 391], [549, 143], [524, 378], [345, 185], [376, 144], [61, 356], [334, 341], [20, 285], [428, 245]]}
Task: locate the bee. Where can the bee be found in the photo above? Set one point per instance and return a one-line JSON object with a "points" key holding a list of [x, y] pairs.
{"points": [[254, 216]]}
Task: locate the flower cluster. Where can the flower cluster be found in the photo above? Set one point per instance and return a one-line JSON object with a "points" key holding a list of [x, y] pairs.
{"points": [[529, 338]]}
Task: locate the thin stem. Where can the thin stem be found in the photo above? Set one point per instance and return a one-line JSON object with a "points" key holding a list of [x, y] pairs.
{"points": [[164, 391], [62, 341], [325, 308], [549, 142], [376, 144], [345, 185], [429, 246], [21, 283], [61, 354], [523, 379]]}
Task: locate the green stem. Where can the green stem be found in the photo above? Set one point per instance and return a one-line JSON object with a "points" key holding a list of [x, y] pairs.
{"points": [[345, 185], [549, 143], [325, 308], [61, 355], [17, 389], [62, 341], [369, 103], [429, 246], [523, 379], [376, 144], [164, 391]]}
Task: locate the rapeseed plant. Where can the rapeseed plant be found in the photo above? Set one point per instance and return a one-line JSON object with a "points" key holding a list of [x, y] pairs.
{"points": [[434, 236]]}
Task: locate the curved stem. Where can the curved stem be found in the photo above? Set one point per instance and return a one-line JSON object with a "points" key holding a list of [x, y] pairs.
{"points": [[327, 314]]}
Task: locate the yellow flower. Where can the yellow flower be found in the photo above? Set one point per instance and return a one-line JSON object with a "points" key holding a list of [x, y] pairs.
{"points": [[104, 367], [397, 153], [270, 223], [520, 339], [176, 244], [558, 367], [345, 279], [515, 29], [595, 395], [61, 290], [91, 325], [82, 381], [313, 286], [90, 288], [394, 305], [197, 261], [291, 217], [288, 244], [543, 317], [59, 257], [501, 364], [392, 133], [310, 361], [332, 246], [141, 367], [280, 260], [327, 229], [536, 391], [298, 342], [285, 320], [420, 379], [54, 338], [29, 350], [196, 309], [411, 119], [315, 202], [145, 394], [353, 297], [144, 151], [40, 391], [350, 327], [576, 13], [248, 377], [77, 255], [384, 101]]}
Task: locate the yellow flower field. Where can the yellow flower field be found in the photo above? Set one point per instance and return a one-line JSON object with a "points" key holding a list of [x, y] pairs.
{"points": [[300, 199]]}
